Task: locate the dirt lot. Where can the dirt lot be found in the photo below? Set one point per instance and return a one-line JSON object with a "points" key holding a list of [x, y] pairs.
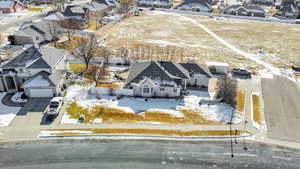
{"points": [[168, 34]]}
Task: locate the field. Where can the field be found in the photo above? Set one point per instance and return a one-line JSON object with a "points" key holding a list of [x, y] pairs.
{"points": [[169, 36]]}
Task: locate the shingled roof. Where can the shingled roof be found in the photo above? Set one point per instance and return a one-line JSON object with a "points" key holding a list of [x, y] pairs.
{"points": [[34, 58]]}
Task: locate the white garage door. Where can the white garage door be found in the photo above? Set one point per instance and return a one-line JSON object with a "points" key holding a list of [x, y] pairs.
{"points": [[41, 92]]}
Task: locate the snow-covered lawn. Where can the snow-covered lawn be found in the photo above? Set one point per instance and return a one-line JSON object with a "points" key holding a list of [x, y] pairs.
{"points": [[84, 97], [17, 98], [7, 114]]}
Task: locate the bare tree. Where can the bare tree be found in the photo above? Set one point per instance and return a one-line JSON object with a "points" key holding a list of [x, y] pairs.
{"points": [[227, 89], [86, 50], [54, 32], [96, 73]]}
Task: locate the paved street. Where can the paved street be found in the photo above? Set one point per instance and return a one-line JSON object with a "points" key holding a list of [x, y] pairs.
{"points": [[282, 108], [144, 154]]}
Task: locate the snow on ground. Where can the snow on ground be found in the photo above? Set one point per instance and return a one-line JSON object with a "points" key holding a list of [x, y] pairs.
{"points": [[49, 133], [7, 114], [17, 98], [216, 111], [66, 119], [213, 111]]}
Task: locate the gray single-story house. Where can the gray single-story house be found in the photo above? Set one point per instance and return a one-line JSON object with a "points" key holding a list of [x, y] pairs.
{"points": [[165, 78]]}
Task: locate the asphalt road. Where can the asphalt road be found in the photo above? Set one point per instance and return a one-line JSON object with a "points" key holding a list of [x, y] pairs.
{"points": [[131, 154], [282, 108]]}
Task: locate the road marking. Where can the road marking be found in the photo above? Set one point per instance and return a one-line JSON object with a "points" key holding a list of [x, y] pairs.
{"points": [[244, 155], [282, 158]]}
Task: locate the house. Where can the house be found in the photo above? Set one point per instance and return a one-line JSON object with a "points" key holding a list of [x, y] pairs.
{"points": [[199, 74], [77, 14], [155, 3], [35, 33], [249, 10], [36, 71], [164, 78], [97, 7], [289, 9], [195, 5], [11, 6], [218, 67]]}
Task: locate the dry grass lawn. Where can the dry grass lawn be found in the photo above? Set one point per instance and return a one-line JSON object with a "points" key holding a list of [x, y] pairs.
{"points": [[169, 34], [110, 85], [113, 115], [93, 26], [76, 67], [240, 101], [35, 9], [146, 131], [281, 41], [69, 45], [256, 109], [297, 75]]}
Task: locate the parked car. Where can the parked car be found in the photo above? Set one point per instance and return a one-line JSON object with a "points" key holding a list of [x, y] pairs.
{"points": [[54, 106], [241, 73]]}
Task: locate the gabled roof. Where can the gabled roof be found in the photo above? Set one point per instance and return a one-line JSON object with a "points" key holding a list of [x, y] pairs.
{"points": [[57, 16], [40, 31], [34, 58], [194, 68], [164, 71], [75, 11], [39, 80]]}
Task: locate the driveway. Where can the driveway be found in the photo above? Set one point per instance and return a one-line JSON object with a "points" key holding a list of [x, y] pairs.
{"points": [[282, 108], [35, 105]]}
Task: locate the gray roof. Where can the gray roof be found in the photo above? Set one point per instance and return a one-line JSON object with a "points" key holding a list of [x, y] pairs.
{"points": [[194, 68], [34, 58], [44, 75], [162, 70], [38, 31]]}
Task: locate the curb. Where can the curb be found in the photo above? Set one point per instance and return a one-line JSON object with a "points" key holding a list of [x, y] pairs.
{"points": [[151, 137]]}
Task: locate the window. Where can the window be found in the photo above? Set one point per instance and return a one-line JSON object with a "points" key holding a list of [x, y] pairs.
{"points": [[146, 90], [162, 89], [175, 89]]}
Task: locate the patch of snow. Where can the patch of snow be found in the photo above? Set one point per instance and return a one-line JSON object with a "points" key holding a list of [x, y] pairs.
{"points": [[49, 133], [98, 121], [173, 113], [7, 114], [17, 98], [198, 93], [66, 119], [216, 112]]}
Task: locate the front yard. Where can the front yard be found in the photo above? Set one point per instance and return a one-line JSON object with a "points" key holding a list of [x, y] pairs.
{"points": [[91, 107]]}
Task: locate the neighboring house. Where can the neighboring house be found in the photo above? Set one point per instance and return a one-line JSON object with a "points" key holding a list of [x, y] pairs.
{"points": [[249, 10], [164, 79], [35, 33], [54, 17], [218, 67], [195, 5], [77, 14], [36, 71], [263, 2], [97, 7], [155, 3], [10, 6], [289, 9]]}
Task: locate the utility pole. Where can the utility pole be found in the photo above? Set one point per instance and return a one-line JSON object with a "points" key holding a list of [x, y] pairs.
{"points": [[244, 140], [230, 130]]}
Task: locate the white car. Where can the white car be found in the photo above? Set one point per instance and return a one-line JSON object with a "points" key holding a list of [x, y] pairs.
{"points": [[54, 106]]}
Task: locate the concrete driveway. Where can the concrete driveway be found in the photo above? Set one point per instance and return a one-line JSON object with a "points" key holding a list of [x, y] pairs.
{"points": [[35, 105], [282, 108]]}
